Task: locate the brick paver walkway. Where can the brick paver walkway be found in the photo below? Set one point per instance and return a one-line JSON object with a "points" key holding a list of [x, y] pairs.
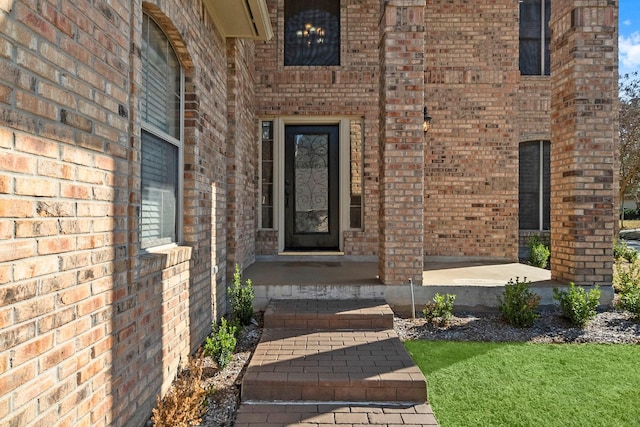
{"points": [[325, 363], [331, 414]]}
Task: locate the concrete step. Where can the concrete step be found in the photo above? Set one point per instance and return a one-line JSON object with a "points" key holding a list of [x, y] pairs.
{"points": [[332, 366], [328, 314]]}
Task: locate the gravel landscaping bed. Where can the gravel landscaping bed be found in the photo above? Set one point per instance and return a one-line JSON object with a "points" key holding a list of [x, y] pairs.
{"points": [[609, 327]]}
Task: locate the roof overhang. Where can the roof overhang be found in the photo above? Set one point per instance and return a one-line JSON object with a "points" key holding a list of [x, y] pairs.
{"points": [[244, 19]]}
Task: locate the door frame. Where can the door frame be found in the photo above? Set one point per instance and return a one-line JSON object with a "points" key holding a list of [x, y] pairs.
{"points": [[328, 240], [279, 124]]}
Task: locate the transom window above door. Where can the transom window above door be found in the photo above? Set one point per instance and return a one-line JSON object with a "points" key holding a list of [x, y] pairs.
{"points": [[312, 32]]}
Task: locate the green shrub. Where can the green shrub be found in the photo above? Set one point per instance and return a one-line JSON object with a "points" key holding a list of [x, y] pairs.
{"points": [[518, 303], [630, 301], [221, 344], [626, 276], [538, 252], [626, 281], [241, 297], [577, 305], [630, 214], [440, 310], [621, 251], [235, 324]]}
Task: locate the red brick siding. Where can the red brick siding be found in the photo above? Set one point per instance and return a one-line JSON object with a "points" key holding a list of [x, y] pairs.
{"points": [[91, 330], [534, 108], [64, 206], [584, 138], [402, 142], [242, 157], [471, 151]]}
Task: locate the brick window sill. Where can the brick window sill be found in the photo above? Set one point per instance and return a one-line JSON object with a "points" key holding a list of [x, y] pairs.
{"points": [[161, 259]]}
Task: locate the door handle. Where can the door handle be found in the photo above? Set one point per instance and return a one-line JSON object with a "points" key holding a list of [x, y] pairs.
{"points": [[287, 192]]}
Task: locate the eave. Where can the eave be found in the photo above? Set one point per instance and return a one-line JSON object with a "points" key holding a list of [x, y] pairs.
{"points": [[245, 19]]}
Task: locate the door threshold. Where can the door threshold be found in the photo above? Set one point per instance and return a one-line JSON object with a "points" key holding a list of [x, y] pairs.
{"points": [[317, 256], [311, 253]]}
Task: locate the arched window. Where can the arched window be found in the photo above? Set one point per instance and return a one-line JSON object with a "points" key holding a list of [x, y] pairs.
{"points": [[535, 185], [162, 135]]}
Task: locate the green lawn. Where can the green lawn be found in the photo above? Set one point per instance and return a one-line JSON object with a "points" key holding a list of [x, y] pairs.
{"points": [[518, 384], [630, 224]]}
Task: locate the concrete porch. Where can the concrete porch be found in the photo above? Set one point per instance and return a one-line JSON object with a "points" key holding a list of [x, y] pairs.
{"points": [[476, 283]]}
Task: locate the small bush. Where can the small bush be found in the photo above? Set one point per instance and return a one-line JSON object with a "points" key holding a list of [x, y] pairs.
{"points": [[518, 303], [221, 344], [630, 301], [621, 251], [440, 310], [630, 214], [626, 276], [577, 305], [626, 281], [183, 406], [538, 252], [241, 297]]}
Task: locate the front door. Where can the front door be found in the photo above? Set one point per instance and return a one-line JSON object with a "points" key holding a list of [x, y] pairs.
{"points": [[311, 187]]}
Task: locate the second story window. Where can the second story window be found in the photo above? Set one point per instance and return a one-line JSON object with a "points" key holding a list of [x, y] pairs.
{"points": [[312, 32], [535, 37]]}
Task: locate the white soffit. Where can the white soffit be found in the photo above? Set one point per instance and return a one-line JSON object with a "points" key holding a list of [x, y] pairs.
{"points": [[244, 19]]}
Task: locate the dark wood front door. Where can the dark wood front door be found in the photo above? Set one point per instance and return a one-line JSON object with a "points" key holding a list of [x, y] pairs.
{"points": [[311, 187]]}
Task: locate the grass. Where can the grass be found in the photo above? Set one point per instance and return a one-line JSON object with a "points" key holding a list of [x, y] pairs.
{"points": [[519, 384], [630, 224]]}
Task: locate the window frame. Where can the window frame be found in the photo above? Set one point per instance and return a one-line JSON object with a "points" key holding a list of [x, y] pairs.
{"points": [[338, 47], [541, 200], [279, 124], [544, 44], [169, 139], [261, 183]]}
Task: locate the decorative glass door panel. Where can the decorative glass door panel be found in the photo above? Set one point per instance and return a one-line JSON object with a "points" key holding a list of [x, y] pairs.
{"points": [[311, 188]]}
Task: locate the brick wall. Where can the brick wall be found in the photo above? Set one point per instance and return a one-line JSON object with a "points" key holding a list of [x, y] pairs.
{"points": [[584, 137], [92, 329], [471, 151], [534, 108], [242, 166], [402, 142], [63, 210]]}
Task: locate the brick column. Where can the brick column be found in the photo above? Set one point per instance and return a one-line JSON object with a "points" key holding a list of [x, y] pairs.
{"points": [[401, 141], [584, 136]]}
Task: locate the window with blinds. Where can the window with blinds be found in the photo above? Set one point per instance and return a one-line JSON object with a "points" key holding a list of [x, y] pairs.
{"points": [[161, 112], [535, 185], [535, 36]]}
